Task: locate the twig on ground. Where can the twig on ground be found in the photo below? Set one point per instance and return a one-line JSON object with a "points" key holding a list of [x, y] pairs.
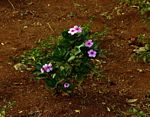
{"points": [[11, 4], [50, 27]]}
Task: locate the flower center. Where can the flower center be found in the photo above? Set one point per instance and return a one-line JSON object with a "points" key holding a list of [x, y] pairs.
{"points": [[92, 52], [77, 28], [89, 43]]}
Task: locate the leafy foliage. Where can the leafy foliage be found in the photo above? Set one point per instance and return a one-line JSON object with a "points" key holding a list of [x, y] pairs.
{"points": [[133, 112], [66, 64]]}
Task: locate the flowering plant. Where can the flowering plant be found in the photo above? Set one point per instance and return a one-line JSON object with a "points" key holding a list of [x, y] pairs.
{"points": [[67, 64]]}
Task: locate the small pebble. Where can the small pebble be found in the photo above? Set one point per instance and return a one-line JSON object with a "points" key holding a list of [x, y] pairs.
{"points": [[2, 44], [25, 27], [140, 70]]}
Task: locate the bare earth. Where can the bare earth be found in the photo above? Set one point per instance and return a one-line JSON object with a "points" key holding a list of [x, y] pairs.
{"points": [[30, 20]]}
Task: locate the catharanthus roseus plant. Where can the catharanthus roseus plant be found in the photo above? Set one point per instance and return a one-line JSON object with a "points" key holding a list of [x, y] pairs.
{"points": [[67, 64]]}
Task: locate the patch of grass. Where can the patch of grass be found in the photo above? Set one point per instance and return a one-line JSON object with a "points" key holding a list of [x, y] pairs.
{"points": [[142, 5], [40, 52], [92, 18], [6, 108], [101, 34], [118, 10], [142, 48], [107, 15], [133, 112]]}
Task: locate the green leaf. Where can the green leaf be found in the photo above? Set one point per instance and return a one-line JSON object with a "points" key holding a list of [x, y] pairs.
{"points": [[67, 36], [145, 59], [53, 76], [50, 82], [38, 66], [59, 54], [131, 100], [71, 58], [37, 78]]}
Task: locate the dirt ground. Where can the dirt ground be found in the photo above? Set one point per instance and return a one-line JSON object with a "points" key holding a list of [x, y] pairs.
{"points": [[22, 22]]}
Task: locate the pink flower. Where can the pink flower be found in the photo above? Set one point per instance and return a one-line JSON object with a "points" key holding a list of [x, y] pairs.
{"points": [[74, 30], [46, 68], [88, 43], [92, 53], [78, 29], [66, 85]]}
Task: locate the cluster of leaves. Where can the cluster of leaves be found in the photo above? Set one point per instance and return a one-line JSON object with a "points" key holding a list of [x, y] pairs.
{"points": [[142, 48], [39, 54], [133, 112], [67, 60], [142, 5], [6, 108]]}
